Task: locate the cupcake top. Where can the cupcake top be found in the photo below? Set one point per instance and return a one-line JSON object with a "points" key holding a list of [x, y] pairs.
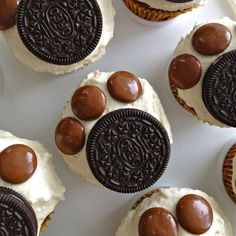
{"points": [[26, 167], [173, 5], [68, 36], [112, 110], [203, 71], [182, 212]]}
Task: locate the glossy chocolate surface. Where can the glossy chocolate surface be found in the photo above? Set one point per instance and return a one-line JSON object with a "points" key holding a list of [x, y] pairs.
{"points": [[70, 136], [17, 163], [88, 102]]}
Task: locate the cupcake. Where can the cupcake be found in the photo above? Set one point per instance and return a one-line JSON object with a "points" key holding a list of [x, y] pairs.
{"points": [[114, 132], [175, 211], [57, 36], [29, 186], [202, 72], [227, 169], [161, 10]]}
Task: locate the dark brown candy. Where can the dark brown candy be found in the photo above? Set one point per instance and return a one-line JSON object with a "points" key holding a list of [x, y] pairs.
{"points": [[157, 222], [60, 32], [211, 39], [7, 13], [185, 71], [17, 163], [124, 86], [194, 214], [17, 215], [128, 150], [70, 136], [88, 102]]}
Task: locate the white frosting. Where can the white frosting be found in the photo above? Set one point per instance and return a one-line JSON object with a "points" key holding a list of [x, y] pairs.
{"points": [[148, 102], [193, 96], [168, 198], [44, 189], [233, 5], [26, 57], [171, 6]]}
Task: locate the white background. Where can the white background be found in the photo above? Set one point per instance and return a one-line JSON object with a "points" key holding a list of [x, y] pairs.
{"points": [[31, 104]]}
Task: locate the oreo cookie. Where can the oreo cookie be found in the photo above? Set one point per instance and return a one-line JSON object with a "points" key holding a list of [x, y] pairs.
{"points": [[60, 32], [17, 217], [128, 150], [219, 89]]}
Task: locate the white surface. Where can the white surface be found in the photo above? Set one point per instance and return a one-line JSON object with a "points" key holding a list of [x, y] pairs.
{"points": [[32, 103]]}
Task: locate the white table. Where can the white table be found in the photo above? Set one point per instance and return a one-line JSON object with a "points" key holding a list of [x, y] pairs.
{"points": [[31, 104]]}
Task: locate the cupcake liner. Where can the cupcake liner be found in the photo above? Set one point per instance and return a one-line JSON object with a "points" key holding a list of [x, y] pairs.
{"points": [[227, 172], [46, 222], [181, 102], [146, 12]]}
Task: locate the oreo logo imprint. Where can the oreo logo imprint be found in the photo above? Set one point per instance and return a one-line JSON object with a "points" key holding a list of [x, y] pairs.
{"points": [[59, 21]]}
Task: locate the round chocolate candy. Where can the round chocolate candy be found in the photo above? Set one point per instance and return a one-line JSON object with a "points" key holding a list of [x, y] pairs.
{"points": [[219, 89], [17, 216], [194, 214], [60, 32], [158, 222], [124, 86], [7, 14], [185, 71], [128, 150], [70, 136], [17, 163], [88, 102], [211, 39]]}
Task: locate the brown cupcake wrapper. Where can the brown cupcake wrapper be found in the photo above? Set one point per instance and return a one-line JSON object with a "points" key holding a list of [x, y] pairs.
{"points": [[46, 222], [181, 102], [227, 172], [146, 12]]}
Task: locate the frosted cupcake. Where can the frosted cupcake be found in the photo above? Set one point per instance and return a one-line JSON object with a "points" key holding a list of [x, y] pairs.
{"points": [[57, 37], [114, 132], [227, 169], [30, 188], [202, 72], [161, 10], [175, 211]]}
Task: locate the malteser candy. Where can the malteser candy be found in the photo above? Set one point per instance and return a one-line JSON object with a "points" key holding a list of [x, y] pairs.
{"points": [[124, 86], [194, 214], [211, 39], [88, 102], [70, 136], [17, 163], [157, 222], [185, 71], [7, 13]]}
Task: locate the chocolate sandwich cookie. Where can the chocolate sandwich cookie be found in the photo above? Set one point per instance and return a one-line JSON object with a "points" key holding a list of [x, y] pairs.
{"points": [[219, 89], [17, 216], [128, 150], [61, 33]]}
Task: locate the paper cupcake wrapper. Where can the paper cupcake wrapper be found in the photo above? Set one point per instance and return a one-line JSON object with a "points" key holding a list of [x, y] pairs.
{"points": [[146, 12], [181, 102], [228, 172]]}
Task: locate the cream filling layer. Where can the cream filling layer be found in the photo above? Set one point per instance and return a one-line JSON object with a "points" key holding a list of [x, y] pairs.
{"points": [[44, 189], [171, 6], [27, 58], [168, 198], [193, 96], [148, 102]]}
